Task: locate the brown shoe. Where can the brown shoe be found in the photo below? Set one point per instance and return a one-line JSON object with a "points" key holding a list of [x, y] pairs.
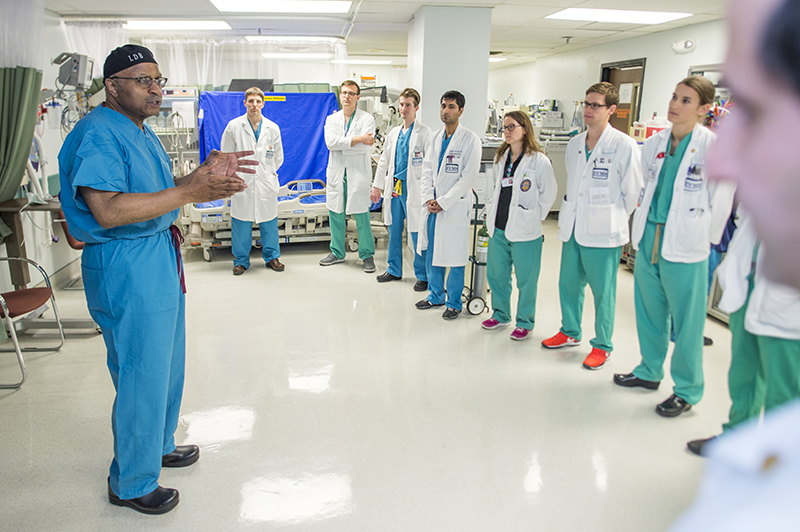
{"points": [[238, 270], [276, 265]]}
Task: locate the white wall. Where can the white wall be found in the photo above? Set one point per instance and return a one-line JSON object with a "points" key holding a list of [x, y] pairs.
{"points": [[567, 76]]}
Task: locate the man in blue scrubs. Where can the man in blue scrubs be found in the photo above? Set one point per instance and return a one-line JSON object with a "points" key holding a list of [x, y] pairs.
{"points": [[119, 197]]}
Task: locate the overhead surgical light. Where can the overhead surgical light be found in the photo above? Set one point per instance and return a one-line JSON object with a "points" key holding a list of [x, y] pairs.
{"points": [[282, 6], [175, 25], [617, 16]]}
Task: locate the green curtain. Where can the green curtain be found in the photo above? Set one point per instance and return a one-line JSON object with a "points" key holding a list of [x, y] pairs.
{"points": [[19, 98]]}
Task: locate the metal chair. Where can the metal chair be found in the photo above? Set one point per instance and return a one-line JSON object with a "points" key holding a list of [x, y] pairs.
{"points": [[21, 303]]}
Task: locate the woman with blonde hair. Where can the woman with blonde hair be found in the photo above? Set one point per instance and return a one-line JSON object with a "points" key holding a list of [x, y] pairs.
{"points": [[521, 192], [679, 215]]}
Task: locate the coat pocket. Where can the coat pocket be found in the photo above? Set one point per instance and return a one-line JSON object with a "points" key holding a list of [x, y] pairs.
{"points": [[601, 219]]}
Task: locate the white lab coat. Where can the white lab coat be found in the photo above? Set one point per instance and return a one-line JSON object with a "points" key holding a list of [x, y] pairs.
{"points": [[259, 201], [751, 479], [601, 192], [354, 159], [699, 209], [384, 174], [774, 309], [533, 192], [450, 187]]}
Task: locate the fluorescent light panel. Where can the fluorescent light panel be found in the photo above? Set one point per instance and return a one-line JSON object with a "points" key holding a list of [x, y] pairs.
{"points": [[282, 6], [176, 25], [497, 59], [295, 55], [293, 39], [362, 61], [617, 15]]}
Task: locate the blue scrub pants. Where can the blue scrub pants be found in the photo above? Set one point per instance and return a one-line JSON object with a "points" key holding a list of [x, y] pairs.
{"points": [[242, 241], [526, 258], [399, 209], [669, 289], [420, 261], [133, 292], [598, 267], [436, 275]]}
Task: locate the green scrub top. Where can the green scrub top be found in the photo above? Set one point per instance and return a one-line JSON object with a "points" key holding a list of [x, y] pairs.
{"points": [[662, 198]]}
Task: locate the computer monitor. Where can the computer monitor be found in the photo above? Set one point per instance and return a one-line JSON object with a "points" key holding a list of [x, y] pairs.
{"points": [[241, 85]]}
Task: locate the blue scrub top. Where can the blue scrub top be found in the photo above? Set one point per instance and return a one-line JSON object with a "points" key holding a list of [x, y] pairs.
{"points": [[401, 154], [107, 151], [445, 144]]}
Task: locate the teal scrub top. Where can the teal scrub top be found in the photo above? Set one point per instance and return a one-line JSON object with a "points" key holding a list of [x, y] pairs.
{"points": [[107, 151], [662, 198], [401, 154]]}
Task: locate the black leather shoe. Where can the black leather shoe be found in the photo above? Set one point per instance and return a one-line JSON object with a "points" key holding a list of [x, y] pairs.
{"points": [[697, 446], [159, 501], [450, 313], [629, 380], [386, 277], [425, 304], [182, 456], [420, 286], [672, 407]]}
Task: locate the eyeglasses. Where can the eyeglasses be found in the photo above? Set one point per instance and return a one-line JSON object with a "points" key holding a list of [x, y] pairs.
{"points": [[594, 106], [146, 81], [510, 128], [348, 93]]}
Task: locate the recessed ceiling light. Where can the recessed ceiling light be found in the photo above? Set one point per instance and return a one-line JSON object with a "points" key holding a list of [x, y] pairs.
{"points": [[362, 62], [497, 59], [282, 6], [293, 39], [176, 25], [617, 15], [295, 55]]}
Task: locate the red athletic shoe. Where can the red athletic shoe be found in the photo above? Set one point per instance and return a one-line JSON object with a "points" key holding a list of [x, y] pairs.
{"points": [[596, 359], [560, 340]]}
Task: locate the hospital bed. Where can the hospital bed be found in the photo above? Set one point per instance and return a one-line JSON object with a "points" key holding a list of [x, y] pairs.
{"points": [[302, 217]]}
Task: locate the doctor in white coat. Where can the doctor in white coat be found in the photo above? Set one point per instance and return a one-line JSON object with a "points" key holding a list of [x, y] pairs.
{"points": [[349, 137], [680, 215], [398, 178], [451, 166], [523, 188], [765, 331], [604, 178], [752, 476], [259, 201]]}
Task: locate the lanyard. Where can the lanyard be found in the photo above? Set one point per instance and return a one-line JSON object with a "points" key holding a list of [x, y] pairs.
{"points": [[347, 129]]}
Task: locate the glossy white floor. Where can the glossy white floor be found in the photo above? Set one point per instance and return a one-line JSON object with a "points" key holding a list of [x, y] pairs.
{"points": [[323, 401]]}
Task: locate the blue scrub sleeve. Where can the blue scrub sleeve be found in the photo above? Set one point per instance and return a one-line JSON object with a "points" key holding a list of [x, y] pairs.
{"points": [[98, 165]]}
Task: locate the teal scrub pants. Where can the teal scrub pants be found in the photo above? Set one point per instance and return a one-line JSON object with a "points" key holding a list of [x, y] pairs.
{"points": [[765, 371], [338, 223], [133, 292], [598, 267], [671, 289], [526, 259]]}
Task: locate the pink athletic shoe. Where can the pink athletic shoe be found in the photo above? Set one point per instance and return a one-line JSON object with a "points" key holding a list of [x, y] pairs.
{"points": [[520, 334], [492, 324]]}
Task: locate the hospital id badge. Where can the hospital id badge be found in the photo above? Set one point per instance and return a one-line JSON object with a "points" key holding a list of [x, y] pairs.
{"points": [[692, 184], [507, 181], [416, 161], [270, 152], [599, 173]]}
